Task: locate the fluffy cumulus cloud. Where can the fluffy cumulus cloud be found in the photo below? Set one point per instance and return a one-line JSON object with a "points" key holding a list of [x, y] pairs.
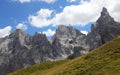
{"points": [[27, 1], [41, 18], [21, 26], [84, 32], [49, 32], [5, 31], [86, 11]]}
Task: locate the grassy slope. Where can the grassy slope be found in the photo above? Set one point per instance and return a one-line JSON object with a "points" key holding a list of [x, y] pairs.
{"points": [[104, 60], [38, 68]]}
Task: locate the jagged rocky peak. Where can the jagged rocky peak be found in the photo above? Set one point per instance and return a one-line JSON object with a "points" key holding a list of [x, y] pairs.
{"points": [[39, 35], [105, 17], [19, 36], [17, 32], [66, 38], [104, 12], [63, 30], [103, 30], [41, 50], [39, 38], [61, 27], [20, 50], [67, 31]]}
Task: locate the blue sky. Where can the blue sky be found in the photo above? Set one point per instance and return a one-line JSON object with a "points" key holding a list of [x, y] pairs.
{"points": [[45, 15]]}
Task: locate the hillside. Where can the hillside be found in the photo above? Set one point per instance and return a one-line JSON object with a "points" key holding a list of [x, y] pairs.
{"points": [[104, 60]]}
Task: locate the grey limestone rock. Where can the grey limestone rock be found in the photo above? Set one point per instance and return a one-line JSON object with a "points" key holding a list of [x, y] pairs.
{"points": [[66, 39], [103, 30]]}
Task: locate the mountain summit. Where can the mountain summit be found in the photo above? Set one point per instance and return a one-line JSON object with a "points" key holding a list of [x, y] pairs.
{"points": [[104, 12], [104, 60], [68, 40], [105, 17], [103, 30]]}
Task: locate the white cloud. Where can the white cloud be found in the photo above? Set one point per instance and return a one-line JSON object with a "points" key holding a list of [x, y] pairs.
{"points": [[49, 32], [27, 1], [5, 31], [84, 1], [84, 32], [61, 7], [41, 18], [21, 26], [22, 1], [71, 0], [49, 1], [75, 15], [86, 11]]}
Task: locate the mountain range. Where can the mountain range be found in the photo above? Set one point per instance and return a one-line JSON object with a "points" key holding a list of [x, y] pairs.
{"points": [[20, 50], [104, 60]]}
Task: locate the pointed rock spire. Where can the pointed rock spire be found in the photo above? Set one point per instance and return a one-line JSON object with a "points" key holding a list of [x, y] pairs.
{"points": [[105, 17], [103, 30], [104, 12]]}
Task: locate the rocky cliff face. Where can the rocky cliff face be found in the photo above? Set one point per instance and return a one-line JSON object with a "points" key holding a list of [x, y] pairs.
{"points": [[103, 30], [19, 50], [41, 50], [66, 39], [14, 52]]}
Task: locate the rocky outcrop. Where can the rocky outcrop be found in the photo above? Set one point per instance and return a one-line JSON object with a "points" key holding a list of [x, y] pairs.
{"points": [[19, 50], [66, 39], [41, 50], [103, 30], [14, 52], [73, 43]]}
